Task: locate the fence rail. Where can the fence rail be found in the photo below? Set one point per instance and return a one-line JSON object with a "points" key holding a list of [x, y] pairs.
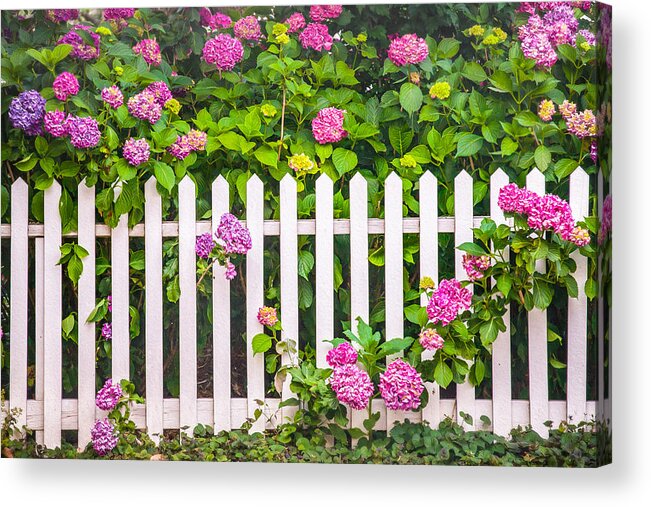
{"points": [[49, 414]]}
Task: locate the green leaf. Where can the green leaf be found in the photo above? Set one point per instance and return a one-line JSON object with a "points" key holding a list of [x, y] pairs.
{"points": [[411, 98], [447, 48], [68, 324], [543, 157], [469, 144], [555, 363], [571, 286], [527, 119], [504, 283], [542, 293], [344, 160], [501, 81], [231, 140], [509, 146], [488, 331], [41, 146], [164, 175], [305, 263], [564, 167], [394, 346], [323, 151], [376, 257], [27, 164], [474, 72], [472, 249], [479, 369], [400, 138], [591, 288], [267, 156], [125, 170], [75, 268], [442, 374], [261, 343], [59, 52]]}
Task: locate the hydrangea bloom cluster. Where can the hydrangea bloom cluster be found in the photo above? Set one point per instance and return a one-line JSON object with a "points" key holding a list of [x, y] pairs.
{"points": [[408, 50], [107, 331], [567, 109], [547, 212], [223, 51], [342, 354], [160, 91], [194, 140], [440, 90], [296, 22], [150, 51], [204, 245], [80, 49], [325, 12], [352, 386], [56, 123], [112, 95], [214, 21], [26, 112], [583, 124], [316, 36], [144, 106], [118, 13], [606, 219], [247, 28], [430, 339], [593, 151], [546, 110], [476, 265], [61, 15], [109, 395], [104, 437], [447, 301], [300, 163], [401, 386], [230, 271], [267, 316], [83, 132], [109, 302], [561, 25], [64, 85], [328, 125], [234, 236], [590, 39], [535, 42], [136, 151]]}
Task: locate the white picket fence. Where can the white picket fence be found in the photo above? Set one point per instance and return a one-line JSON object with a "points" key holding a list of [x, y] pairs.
{"points": [[49, 414]]}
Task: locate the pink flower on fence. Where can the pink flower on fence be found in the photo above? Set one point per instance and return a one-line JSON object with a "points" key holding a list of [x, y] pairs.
{"points": [[582, 124], [513, 199], [194, 140], [430, 339], [64, 85], [109, 395], [136, 151], [476, 265], [316, 36], [112, 95], [401, 386], [352, 386], [408, 50], [197, 140], [214, 21], [107, 331], [80, 49], [83, 132], [56, 123], [328, 125], [447, 301], [223, 51], [149, 50], [267, 316], [234, 236], [204, 246], [535, 42], [342, 354], [144, 106], [104, 437], [296, 22], [247, 28], [325, 12], [230, 272]]}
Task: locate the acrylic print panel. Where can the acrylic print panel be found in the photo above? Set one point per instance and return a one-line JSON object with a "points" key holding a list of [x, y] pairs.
{"points": [[340, 234]]}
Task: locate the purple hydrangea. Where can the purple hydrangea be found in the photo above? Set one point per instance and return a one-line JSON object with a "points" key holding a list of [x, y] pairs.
{"points": [[145, 106], [150, 51], [64, 85], [136, 151], [230, 272], [160, 91], [118, 13], [223, 51], [27, 111], [104, 437], [447, 301], [109, 395], [83, 132], [235, 237], [342, 354], [80, 49], [56, 123], [247, 28], [352, 386], [112, 95], [204, 246], [401, 386], [61, 15], [107, 331]]}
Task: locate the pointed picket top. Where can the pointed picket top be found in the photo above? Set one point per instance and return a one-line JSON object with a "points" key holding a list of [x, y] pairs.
{"points": [[324, 182], [358, 179], [393, 180], [428, 178], [536, 181], [150, 186], [20, 185], [288, 183], [462, 177], [220, 198], [499, 179], [186, 184], [579, 193]]}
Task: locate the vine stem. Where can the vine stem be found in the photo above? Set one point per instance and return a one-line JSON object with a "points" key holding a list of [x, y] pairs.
{"points": [[203, 275], [282, 121]]}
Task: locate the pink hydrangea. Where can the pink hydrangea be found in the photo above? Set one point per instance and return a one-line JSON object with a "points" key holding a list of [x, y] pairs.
{"points": [[223, 51], [325, 12], [56, 123], [589, 37], [136, 151], [197, 139], [447, 301], [476, 265], [606, 219], [408, 50], [267, 316], [214, 21], [107, 331], [401, 386], [80, 49], [583, 124], [546, 110], [593, 151], [64, 85], [296, 22], [160, 91], [230, 271], [430, 339], [352, 386], [83, 132], [247, 28], [204, 245], [342, 354], [61, 15], [104, 437], [234, 236], [328, 125], [535, 42], [149, 50], [194, 140], [316, 36], [513, 199], [144, 106], [561, 25], [567, 109], [118, 13], [109, 395], [112, 95]]}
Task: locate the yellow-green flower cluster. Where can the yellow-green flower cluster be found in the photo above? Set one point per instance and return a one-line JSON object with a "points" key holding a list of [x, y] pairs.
{"points": [[408, 161], [496, 36], [440, 90], [362, 37], [268, 110], [173, 105], [102, 30], [279, 33], [476, 30], [300, 163], [426, 283]]}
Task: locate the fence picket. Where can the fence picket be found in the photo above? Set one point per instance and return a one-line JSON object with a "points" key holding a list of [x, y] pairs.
{"points": [[86, 303], [120, 342], [324, 268], [537, 324], [600, 308], [501, 375], [393, 271], [577, 308], [153, 309], [18, 295], [429, 266], [52, 391], [463, 223], [39, 305], [288, 278], [254, 298], [187, 305], [221, 327]]}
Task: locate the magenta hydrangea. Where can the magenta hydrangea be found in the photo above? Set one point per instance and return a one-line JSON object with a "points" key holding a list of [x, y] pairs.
{"points": [[513, 199], [26, 112], [401, 386], [145, 106], [561, 25], [296, 22], [214, 21], [589, 37], [83, 131], [136, 151], [267, 316], [582, 124], [606, 219], [325, 12], [160, 91], [64, 85], [149, 50], [447, 301], [408, 50], [593, 151], [430, 339], [56, 123], [230, 271], [104, 437], [316, 36], [194, 140], [109, 395], [535, 42], [197, 139], [112, 95], [107, 331], [342, 354], [247, 28], [352, 386], [235, 237], [61, 15], [475, 265], [223, 51], [118, 13], [204, 245], [328, 125], [80, 49]]}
